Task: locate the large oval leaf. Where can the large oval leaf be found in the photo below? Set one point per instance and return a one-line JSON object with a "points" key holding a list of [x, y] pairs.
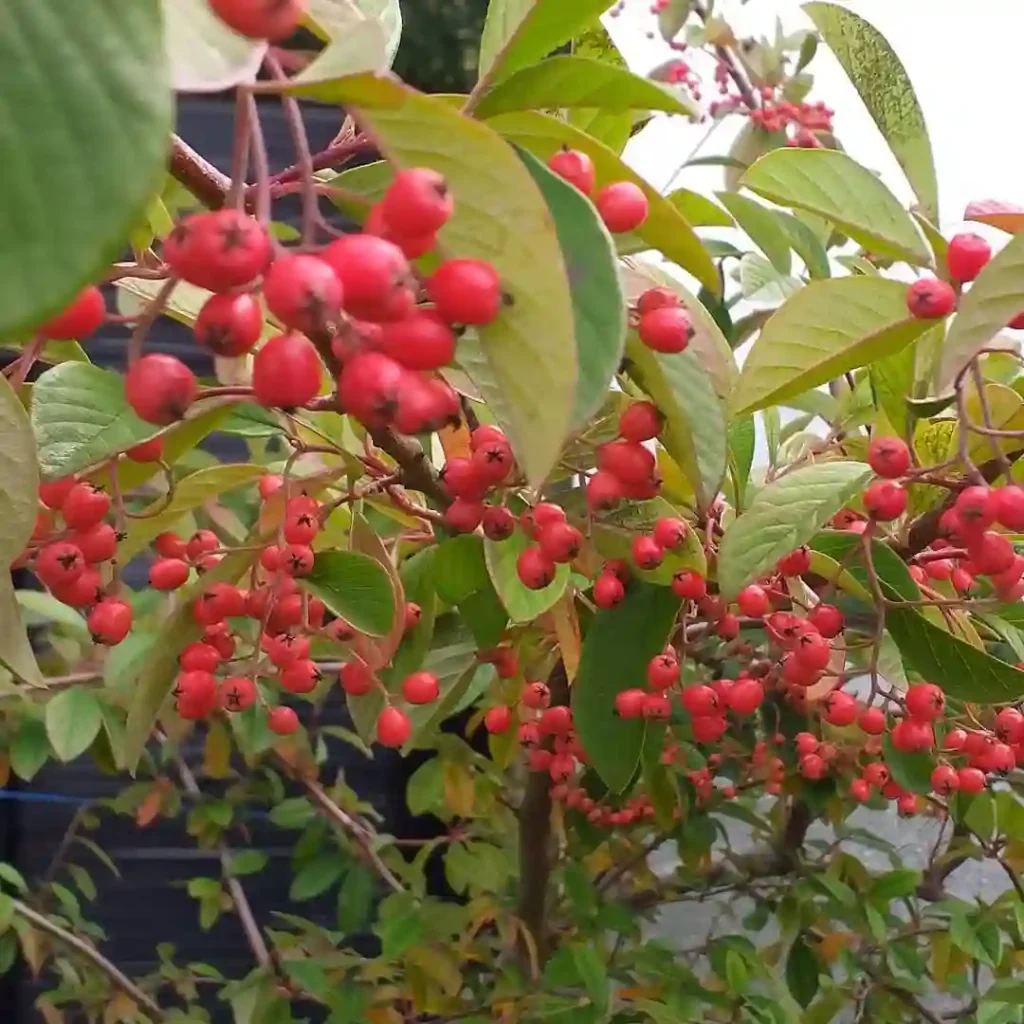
{"points": [[884, 85], [522, 605], [618, 645], [16, 652], [666, 229], [784, 515], [356, 587], [695, 425], [824, 330], [19, 477], [73, 718], [190, 493], [763, 226], [80, 417], [836, 187], [85, 78], [599, 307], [995, 297], [579, 82], [500, 216], [518, 33]]}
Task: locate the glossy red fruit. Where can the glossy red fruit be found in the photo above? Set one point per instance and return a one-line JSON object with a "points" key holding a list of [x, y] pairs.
{"points": [[745, 697], [376, 281], [421, 341], [630, 703], [426, 403], [709, 728], [812, 651], [85, 506], [260, 19], [976, 508], [98, 543], [229, 325], [753, 601], [498, 719], [417, 203], [608, 590], [560, 541], [796, 563], [421, 688], [149, 451], [656, 298], [393, 728], [670, 533], [160, 388], [60, 564], [110, 621], [666, 329], [1017, 323], [860, 790], [912, 734], [631, 463], [84, 316], [908, 804], [301, 676], [1009, 507], [1010, 725], [199, 657], [840, 708], [356, 679], [202, 542], [889, 457], [689, 585], [168, 574], [623, 206], [236, 694], [885, 500], [465, 292], [297, 559], [369, 387], [604, 491], [991, 553], [303, 292], [493, 462], [574, 167], [498, 522], [535, 569], [961, 579], [967, 255], [700, 700], [286, 372], [282, 720], [930, 299], [663, 671], [827, 620], [647, 552], [196, 694], [170, 545], [218, 250], [52, 494], [971, 780], [640, 422]]}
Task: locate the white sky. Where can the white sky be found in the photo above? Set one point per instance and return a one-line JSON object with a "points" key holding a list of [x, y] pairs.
{"points": [[964, 59]]}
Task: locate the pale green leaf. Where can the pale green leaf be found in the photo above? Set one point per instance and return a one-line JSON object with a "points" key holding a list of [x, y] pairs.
{"points": [[762, 226], [204, 54], [19, 477], [15, 650], [73, 718]]}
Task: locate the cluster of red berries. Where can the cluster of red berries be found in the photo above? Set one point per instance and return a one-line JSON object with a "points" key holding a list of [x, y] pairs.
{"points": [[799, 120], [469, 480], [626, 468], [622, 205]]}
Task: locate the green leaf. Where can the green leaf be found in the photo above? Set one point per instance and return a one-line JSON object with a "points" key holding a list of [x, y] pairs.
{"points": [[762, 283], [317, 876], [802, 972], [19, 477], [73, 718], [500, 216], [356, 587], [665, 229], [995, 297], [912, 771], [154, 667], [356, 39], [784, 515], [518, 33], [190, 493], [763, 227], [248, 862], [695, 425], [16, 652], [355, 898], [824, 330], [522, 605], [895, 884], [29, 749], [460, 568], [593, 974], [672, 17], [883, 84], [619, 643], [834, 186], [599, 307], [43, 607], [892, 380], [93, 83], [805, 244], [579, 82], [80, 417]]}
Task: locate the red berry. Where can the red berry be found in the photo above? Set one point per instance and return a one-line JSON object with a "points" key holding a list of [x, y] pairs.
{"points": [[753, 601], [498, 719], [604, 490], [98, 543], [796, 563], [369, 388], [411, 615], [860, 790], [86, 590], [908, 804], [812, 651], [493, 462], [971, 780], [196, 694], [149, 451], [60, 564], [282, 720], [670, 533], [393, 728], [631, 463], [420, 341], [976, 508], [689, 585], [465, 292], [535, 569], [656, 298], [885, 500], [827, 620], [160, 388], [560, 542], [746, 696], [85, 506], [84, 316], [889, 457], [1017, 323], [930, 299], [199, 657], [1009, 507], [110, 621], [840, 708], [647, 552], [463, 515], [229, 325], [813, 767], [356, 679], [709, 728], [286, 372], [666, 329], [300, 527], [168, 574], [376, 281], [574, 167], [700, 700], [236, 694], [608, 590], [630, 703], [170, 545], [421, 688], [498, 523], [663, 671], [202, 542], [912, 734], [260, 19], [623, 206], [303, 292], [966, 256], [640, 422], [218, 250], [301, 676], [1010, 725], [991, 553], [52, 494], [297, 559], [286, 649], [417, 203]]}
